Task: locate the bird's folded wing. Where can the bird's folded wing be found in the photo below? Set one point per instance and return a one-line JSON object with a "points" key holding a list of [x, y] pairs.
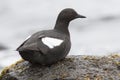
{"points": [[33, 45], [19, 48]]}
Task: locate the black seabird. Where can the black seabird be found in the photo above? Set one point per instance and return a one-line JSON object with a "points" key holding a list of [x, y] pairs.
{"points": [[49, 46]]}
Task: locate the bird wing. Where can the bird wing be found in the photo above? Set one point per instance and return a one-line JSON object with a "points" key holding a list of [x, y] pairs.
{"points": [[31, 43], [18, 49], [40, 42], [48, 43]]}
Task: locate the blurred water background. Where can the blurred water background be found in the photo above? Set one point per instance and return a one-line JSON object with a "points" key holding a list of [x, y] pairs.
{"points": [[98, 34]]}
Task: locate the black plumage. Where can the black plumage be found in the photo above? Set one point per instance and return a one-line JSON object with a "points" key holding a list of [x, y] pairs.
{"points": [[35, 50]]}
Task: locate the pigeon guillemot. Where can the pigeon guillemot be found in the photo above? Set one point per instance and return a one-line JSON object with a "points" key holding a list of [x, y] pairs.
{"points": [[49, 46]]}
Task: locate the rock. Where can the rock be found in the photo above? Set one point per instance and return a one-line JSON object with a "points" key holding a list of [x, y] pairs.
{"points": [[1, 68], [72, 68], [2, 47]]}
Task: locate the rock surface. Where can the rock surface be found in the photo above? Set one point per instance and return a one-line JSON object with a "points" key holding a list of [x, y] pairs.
{"points": [[72, 68], [2, 47]]}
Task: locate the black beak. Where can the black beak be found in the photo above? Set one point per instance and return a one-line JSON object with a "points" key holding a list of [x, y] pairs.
{"points": [[80, 16]]}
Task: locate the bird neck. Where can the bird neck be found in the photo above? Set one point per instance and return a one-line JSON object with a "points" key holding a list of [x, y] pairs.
{"points": [[62, 26]]}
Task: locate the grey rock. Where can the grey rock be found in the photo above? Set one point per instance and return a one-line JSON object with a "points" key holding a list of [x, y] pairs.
{"points": [[71, 68], [1, 68], [2, 47]]}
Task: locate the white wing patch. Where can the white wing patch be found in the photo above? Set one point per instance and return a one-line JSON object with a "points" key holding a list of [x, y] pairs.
{"points": [[51, 42]]}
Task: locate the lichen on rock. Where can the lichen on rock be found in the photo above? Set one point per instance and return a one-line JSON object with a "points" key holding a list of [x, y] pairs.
{"points": [[71, 68]]}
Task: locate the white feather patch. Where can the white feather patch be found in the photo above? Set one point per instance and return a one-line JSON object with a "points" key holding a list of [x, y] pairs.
{"points": [[51, 42]]}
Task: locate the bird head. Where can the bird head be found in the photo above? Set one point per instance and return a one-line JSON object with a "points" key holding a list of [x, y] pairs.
{"points": [[69, 14]]}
